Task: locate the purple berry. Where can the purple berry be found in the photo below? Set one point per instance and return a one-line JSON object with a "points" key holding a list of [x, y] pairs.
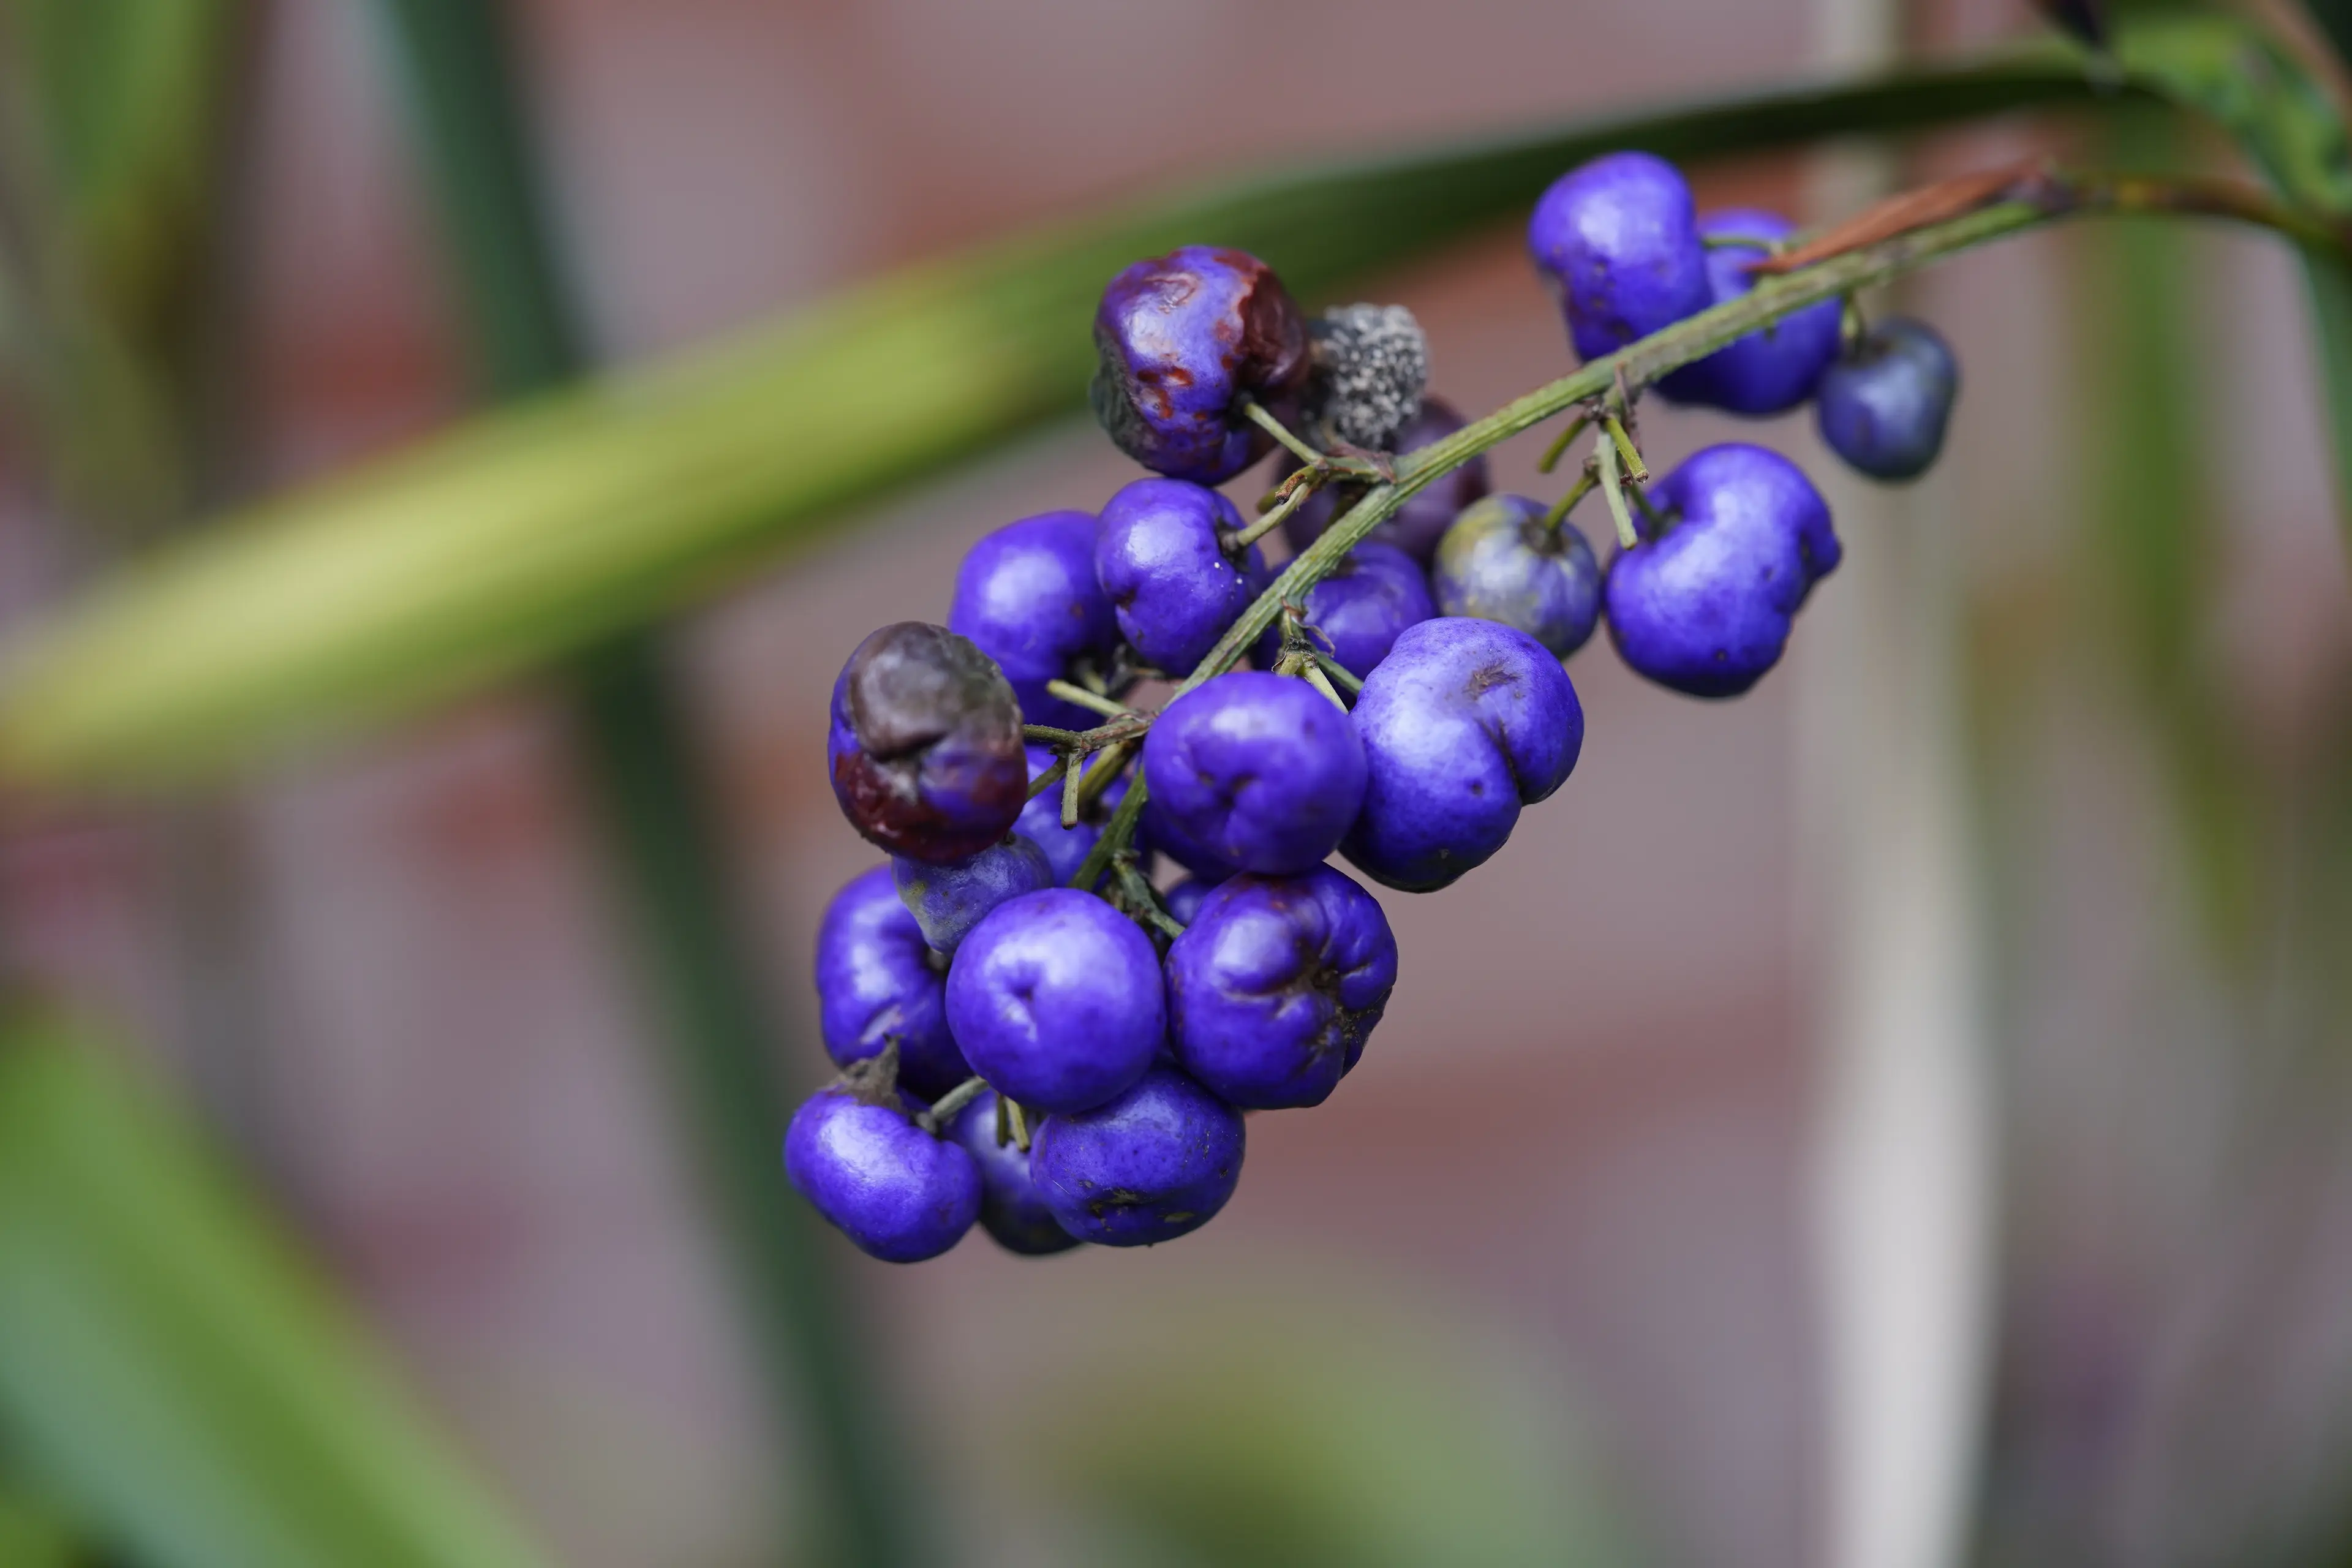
{"points": [[1041, 820], [1170, 838], [1183, 897], [1883, 410], [1260, 769], [898, 1192], [1182, 340], [1500, 563], [1355, 613], [1466, 722], [877, 983], [1055, 998], [1175, 587], [1426, 513], [1011, 1209], [925, 746], [948, 901], [1275, 985], [1027, 597], [1155, 1164], [1617, 242], [1707, 606], [1773, 368]]}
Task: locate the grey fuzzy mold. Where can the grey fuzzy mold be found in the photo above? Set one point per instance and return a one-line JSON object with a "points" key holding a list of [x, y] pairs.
{"points": [[1371, 362]]}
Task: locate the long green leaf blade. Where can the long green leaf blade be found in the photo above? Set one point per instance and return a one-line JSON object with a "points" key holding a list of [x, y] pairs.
{"points": [[528, 535], [171, 1370]]}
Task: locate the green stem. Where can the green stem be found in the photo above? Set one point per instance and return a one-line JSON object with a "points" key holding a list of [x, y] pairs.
{"points": [[952, 1102], [1241, 539], [1092, 701], [658, 819], [1258, 415], [1638, 364], [1613, 491], [1575, 493], [1561, 443], [1629, 455], [1339, 674], [1052, 776]]}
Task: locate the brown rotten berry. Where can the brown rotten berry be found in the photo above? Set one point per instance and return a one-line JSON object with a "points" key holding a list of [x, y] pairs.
{"points": [[925, 744]]}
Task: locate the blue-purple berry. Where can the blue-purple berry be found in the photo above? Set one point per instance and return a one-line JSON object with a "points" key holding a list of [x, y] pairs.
{"points": [[925, 744], [1027, 597], [1466, 722], [1183, 897], [1262, 770], [879, 984], [948, 901], [1275, 986], [1426, 515], [1012, 1210], [1499, 562], [1170, 838], [1883, 410], [1774, 368], [1706, 607], [1155, 1164], [1182, 339], [1055, 999], [1355, 614], [1617, 241], [898, 1192], [1159, 555]]}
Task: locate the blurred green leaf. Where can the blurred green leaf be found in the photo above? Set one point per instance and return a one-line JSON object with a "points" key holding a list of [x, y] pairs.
{"points": [[110, 162], [33, 1534], [2287, 124], [173, 1370], [529, 534]]}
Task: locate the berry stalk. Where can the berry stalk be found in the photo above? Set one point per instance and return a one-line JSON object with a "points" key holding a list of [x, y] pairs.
{"points": [[2033, 199]]}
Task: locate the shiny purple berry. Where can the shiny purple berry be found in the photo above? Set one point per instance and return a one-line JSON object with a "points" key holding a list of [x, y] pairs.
{"points": [[1055, 998], [948, 901], [1617, 241], [1707, 606], [1885, 409], [879, 983], [1012, 1210], [1027, 597], [1182, 340], [1159, 555], [925, 746], [898, 1192], [1155, 1164], [1500, 562], [1426, 513], [1356, 612], [1041, 820], [1773, 368], [1275, 985], [1170, 838], [1260, 769], [1183, 897], [1466, 722]]}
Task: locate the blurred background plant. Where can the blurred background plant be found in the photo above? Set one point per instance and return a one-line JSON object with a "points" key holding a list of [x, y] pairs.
{"points": [[414, 834]]}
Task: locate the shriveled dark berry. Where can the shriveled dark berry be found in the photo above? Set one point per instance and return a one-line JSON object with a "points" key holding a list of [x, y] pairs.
{"points": [[925, 746]]}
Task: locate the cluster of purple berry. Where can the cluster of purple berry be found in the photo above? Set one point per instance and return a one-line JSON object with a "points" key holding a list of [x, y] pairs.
{"points": [[1034, 1035]]}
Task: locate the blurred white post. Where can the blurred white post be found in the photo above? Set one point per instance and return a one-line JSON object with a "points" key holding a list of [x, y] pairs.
{"points": [[1904, 1157]]}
